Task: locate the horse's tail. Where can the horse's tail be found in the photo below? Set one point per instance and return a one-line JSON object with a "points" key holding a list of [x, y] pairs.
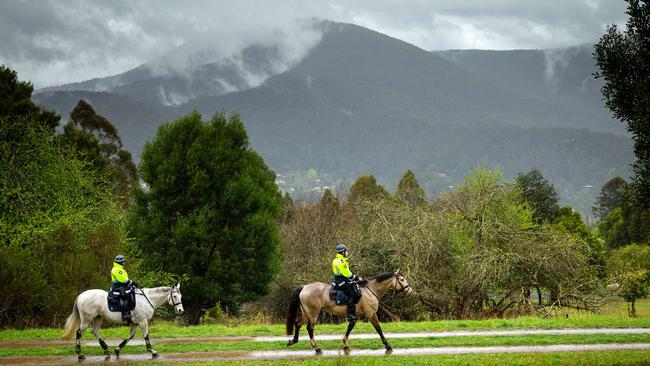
{"points": [[294, 304], [72, 323]]}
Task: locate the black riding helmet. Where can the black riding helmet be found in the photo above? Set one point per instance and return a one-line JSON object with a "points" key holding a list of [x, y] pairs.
{"points": [[119, 260], [341, 248]]}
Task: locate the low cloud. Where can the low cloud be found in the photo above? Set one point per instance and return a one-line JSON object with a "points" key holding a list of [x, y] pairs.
{"points": [[54, 42]]}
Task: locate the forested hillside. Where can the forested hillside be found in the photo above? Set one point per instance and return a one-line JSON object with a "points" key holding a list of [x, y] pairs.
{"points": [[361, 102]]}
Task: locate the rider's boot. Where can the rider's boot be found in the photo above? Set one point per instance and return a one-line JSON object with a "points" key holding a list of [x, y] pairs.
{"points": [[351, 310], [126, 316]]}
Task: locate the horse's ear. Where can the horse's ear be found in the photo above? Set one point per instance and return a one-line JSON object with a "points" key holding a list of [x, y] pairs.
{"points": [[178, 285], [397, 271]]}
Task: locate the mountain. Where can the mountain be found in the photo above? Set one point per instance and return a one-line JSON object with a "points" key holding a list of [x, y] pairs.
{"points": [[361, 102], [562, 76]]}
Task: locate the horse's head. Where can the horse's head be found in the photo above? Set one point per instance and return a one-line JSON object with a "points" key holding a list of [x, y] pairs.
{"points": [[401, 284], [175, 298]]}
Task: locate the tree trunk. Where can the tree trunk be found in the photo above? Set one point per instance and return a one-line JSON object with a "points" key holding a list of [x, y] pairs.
{"points": [[539, 295]]}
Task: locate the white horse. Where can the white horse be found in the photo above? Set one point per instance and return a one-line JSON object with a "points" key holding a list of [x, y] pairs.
{"points": [[91, 307]]}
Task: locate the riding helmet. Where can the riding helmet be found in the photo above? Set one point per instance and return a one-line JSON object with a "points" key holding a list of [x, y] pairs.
{"points": [[341, 248], [120, 259]]}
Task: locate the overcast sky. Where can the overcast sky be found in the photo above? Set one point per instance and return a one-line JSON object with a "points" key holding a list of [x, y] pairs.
{"points": [[56, 42]]}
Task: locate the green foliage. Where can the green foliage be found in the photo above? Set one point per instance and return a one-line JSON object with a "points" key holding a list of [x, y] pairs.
{"points": [[613, 229], [571, 222], [409, 191], [210, 212], [59, 226], [540, 195], [365, 188], [611, 196], [15, 100], [97, 141], [630, 267], [624, 61]]}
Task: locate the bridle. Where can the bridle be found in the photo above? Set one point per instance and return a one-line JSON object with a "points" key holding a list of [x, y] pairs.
{"points": [[402, 287], [171, 297]]}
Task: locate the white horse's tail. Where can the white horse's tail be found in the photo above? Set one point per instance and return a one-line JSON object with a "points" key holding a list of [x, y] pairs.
{"points": [[72, 323]]}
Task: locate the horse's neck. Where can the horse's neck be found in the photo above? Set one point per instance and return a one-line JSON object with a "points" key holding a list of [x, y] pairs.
{"points": [[157, 295], [380, 288]]}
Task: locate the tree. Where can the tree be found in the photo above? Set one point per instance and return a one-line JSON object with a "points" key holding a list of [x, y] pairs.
{"points": [[630, 267], [97, 141], [610, 197], [365, 188], [570, 221], [540, 195], [210, 213], [58, 222], [623, 60], [409, 191], [15, 100]]}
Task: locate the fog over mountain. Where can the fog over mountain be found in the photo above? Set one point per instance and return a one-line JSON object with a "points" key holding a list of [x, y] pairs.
{"points": [[356, 101]]}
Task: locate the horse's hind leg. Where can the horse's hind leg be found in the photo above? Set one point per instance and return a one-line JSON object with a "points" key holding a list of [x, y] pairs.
{"points": [[375, 323], [145, 332], [134, 327], [296, 332], [310, 329], [97, 323], [80, 332]]}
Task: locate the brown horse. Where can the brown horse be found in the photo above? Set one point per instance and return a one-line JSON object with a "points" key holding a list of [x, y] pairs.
{"points": [[315, 296]]}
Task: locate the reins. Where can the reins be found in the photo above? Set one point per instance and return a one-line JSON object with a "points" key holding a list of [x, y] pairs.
{"points": [[145, 296]]}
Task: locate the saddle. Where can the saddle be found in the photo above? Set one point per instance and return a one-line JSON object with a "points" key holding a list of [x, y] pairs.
{"points": [[340, 297], [118, 292]]}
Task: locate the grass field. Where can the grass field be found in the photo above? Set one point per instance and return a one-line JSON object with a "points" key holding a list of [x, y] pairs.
{"points": [[613, 316]]}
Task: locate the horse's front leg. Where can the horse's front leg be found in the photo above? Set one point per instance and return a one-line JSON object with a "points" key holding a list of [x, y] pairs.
{"points": [[97, 323], [375, 323], [346, 346], [134, 327], [144, 325]]}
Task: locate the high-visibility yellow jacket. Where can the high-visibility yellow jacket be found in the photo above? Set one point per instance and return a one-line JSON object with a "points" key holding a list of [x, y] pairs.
{"points": [[340, 266], [118, 273]]}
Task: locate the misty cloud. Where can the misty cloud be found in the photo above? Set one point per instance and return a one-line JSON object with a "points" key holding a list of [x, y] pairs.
{"points": [[54, 42]]}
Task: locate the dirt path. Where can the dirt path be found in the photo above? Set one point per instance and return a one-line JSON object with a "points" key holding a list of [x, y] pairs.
{"points": [[272, 355], [329, 337]]}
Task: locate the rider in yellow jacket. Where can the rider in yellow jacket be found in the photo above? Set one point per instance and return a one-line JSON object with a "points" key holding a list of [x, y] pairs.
{"points": [[345, 280], [121, 283]]}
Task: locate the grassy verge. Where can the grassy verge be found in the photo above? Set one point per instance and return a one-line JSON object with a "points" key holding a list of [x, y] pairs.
{"points": [[170, 330], [556, 358], [614, 315], [355, 344]]}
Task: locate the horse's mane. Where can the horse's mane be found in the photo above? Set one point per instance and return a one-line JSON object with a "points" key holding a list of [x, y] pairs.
{"points": [[383, 277], [159, 289]]}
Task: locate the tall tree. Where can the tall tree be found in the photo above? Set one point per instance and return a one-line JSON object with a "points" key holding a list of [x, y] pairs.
{"points": [[623, 60], [409, 190], [540, 195], [610, 197], [210, 213], [365, 188], [15, 100], [98, 142]]}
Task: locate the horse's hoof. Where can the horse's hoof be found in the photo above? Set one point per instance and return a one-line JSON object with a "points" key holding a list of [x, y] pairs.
{"points": [[389, 351], [154, 354], [107, 352], [117, 352], [81, 357], [346, 350], [290, 343], [318, 351]]}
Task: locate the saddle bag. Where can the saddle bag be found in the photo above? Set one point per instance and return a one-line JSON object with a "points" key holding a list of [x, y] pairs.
{"points": [[339, 297], [113, 299], [116, 293]]}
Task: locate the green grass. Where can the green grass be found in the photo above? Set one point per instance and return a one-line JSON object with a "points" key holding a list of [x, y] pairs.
{"points": [[334, 345], [170, 330], [555, 358]]}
